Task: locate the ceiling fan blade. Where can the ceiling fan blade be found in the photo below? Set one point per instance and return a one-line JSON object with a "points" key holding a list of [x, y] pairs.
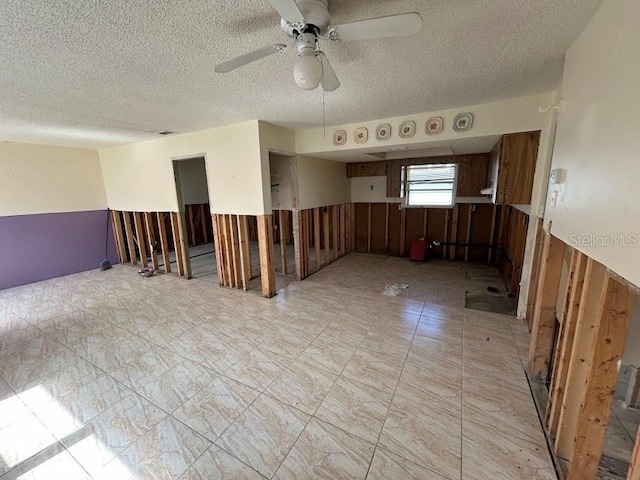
{"points": [[391, 26], [329, 80], [242, 60], [289, 10]]}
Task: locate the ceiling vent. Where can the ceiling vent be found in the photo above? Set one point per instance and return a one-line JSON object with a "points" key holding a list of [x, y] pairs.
{"points": [[165, 133]]}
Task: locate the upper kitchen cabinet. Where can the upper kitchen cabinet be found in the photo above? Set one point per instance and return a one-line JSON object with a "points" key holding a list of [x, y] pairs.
{"points": [[511, 169]]}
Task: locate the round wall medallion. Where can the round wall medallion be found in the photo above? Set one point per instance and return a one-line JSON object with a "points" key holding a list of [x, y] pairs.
{"points": [[407, 129], [434, 126], [383, 132], [361, 135], [463, 122], [339, 137]]}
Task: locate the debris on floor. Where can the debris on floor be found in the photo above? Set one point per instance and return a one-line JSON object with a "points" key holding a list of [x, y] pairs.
{"points": [[394, 289], [503, 304]]}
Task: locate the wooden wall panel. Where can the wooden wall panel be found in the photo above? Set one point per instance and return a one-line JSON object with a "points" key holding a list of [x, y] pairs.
{"points": [[517, 167], [394, 229], [435, 229], [472, 175], [361, 226], [394, 178], [378, 225], [413, 227], [481, 221], [367, 169]]}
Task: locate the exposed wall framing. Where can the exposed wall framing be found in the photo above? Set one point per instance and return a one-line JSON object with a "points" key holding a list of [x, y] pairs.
{"points": [[329, 231], [463, 233], [142, 236]]}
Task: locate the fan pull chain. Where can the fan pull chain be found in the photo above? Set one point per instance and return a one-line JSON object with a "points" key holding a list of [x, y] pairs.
{"points": [[324, 118]]}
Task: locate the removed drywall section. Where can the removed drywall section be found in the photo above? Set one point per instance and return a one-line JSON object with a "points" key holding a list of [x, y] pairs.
{"points": [[273, 139], [281, 182], [193, 176], [139, 177], [45, 179], [596, 206], [321, 182]]}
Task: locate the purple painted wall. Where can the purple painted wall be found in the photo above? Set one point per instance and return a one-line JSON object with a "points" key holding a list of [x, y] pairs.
{"points": [[42, 246]]}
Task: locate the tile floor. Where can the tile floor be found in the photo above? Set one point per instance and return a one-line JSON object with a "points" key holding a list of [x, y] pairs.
{"points": [[106, 375]]}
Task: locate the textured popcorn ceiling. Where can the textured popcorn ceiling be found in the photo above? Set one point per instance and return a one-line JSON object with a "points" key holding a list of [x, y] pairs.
{"points": [[97, 73]]}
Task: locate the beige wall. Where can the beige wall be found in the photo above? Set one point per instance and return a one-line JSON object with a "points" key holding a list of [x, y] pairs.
{"points": [[46, 179], [139, 177], [597, 141], [321, 182]]}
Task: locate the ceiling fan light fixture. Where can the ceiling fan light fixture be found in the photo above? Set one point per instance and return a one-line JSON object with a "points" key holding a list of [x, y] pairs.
{"points": [[307, 72]]}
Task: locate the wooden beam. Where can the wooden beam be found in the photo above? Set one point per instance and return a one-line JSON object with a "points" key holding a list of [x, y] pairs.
{"points": [[468, 237], [566, 338], [217, 245], [544, 316], [454, 232], [192, 228], [164, 244], [245, 251], [184, 244], [316, 235], [117, 233], [283, 241], [634, 467], [535, 272], [334, 226], [369, 227], [265, 246], [137, 219], [327, 235], [176, 242], [492, 234], [602, 361], [403, 230], [298, 243], [151, 238], [131, 243], [226, 250], [575, 384], [386, 229], [203, 224], [633, 390], [235, 250], [425, 224], [446, 233], [343, 229]]}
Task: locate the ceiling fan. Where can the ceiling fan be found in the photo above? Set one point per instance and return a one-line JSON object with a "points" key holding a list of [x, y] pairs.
{"points": [[308, 21]]}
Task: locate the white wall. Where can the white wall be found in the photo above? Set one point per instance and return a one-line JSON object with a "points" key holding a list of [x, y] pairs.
{"points": [[321, 182], [139, 177], [45, 179], [597, 141], [193, 176], [370, 190], [282, 194]]}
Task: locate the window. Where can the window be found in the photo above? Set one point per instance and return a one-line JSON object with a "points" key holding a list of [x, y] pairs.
{"points": [[429, 185]]}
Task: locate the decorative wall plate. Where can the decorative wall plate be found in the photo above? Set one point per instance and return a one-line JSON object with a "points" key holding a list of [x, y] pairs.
{"points": [[339, 137], [463, 122], [383, 132], [407, 129], [434, 126], [361, 135]]}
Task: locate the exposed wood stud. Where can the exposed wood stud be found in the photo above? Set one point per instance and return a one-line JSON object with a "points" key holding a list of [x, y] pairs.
{"points": [[203, 224], [282, 214], [266, 248], [634, 467], [446, 234], [131, 243], [184, 244], [226, 249], [566, 338], [217, 245], [575, 384], [602, 363], [492, 234], [316, 235], [535, 271], [343, 229], [192, 228], [468, 237], [176, 242], [544, 315], [327, 235], [235, 250], [454, 232], [633, 391], [245, 252], [137, 219], [164, 243], [403, 230], [425, 223], [335, 230], [117, 232], [298, 241], [368, 227], [386, 229], [151, 239]]}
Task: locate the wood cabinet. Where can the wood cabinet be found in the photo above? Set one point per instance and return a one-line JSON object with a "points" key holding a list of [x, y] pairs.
{"points": [[512, 167], [367, 169]]}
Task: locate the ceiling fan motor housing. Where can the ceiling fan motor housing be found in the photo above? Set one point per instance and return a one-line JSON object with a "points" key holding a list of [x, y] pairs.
{"points": [[316, 15]]}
